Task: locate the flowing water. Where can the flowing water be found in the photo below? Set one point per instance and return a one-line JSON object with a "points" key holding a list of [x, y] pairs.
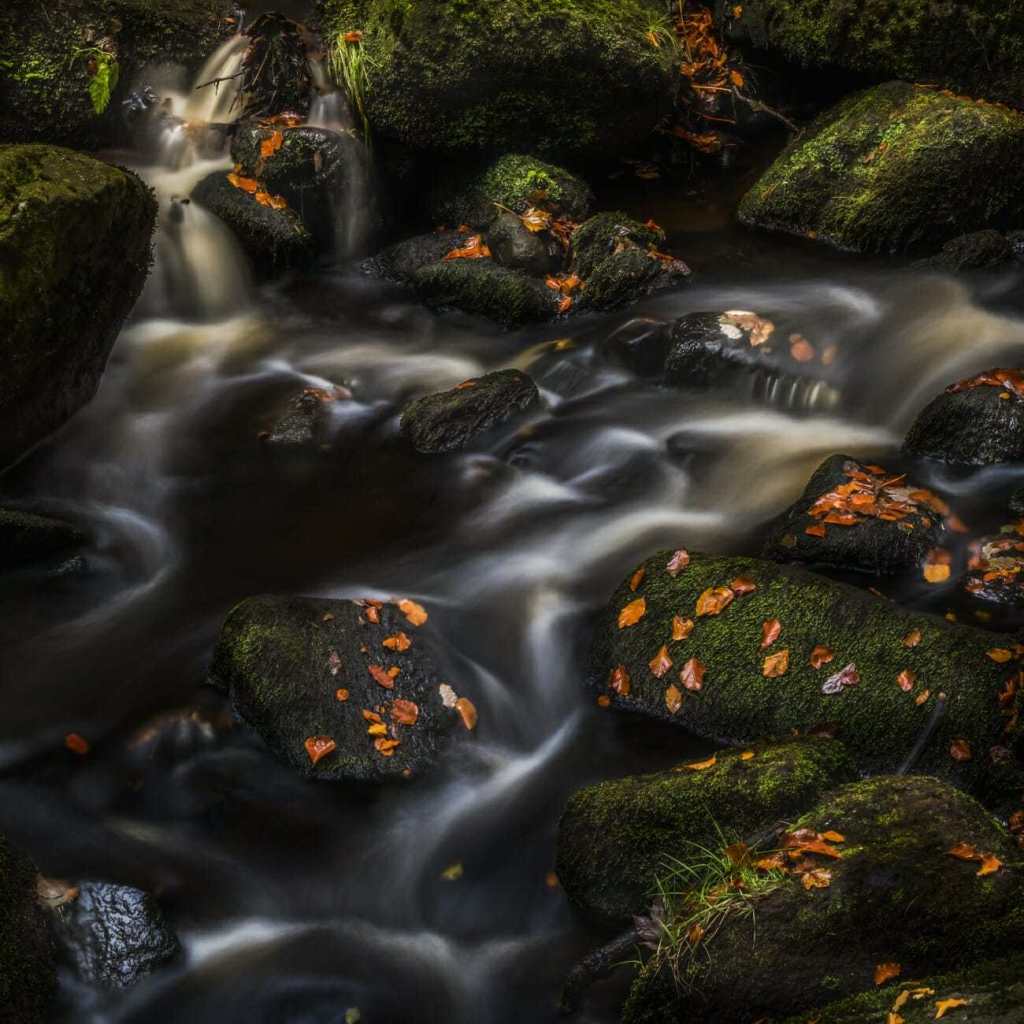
{"points": [[296, 902]]}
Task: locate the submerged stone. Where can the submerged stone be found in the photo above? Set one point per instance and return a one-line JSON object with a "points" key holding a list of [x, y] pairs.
{"points": [[306, 670], [895, 166], [450, 420], [26, 538], [616, 838]]}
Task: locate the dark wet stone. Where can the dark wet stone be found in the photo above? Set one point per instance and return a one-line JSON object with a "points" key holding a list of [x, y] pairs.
{"points": [[306, 419], [513, 245], [606, 233], [114, 935], [1016, 502], [641, 345], [450, 420], [625, 277], [400, 261], [977, 251], [283, 661], [274, 240], [874, 545], [972, 425], [995, 573], [27, 538]]}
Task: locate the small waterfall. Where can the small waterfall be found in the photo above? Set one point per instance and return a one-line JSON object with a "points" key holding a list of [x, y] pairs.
{"points": [[216, 103]]}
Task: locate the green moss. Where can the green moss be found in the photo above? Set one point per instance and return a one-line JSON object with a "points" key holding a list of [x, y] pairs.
{"points": [[893, 167]]}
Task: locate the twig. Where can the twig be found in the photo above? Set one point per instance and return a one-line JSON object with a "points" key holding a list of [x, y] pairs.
{"points": [[217, 81], [594, 967], [762, 108], [926, 734]]}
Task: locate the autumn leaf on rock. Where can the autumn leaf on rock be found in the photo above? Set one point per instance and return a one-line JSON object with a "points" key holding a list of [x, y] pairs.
{"points": [[817, 530], [474, 249], [741, 585], [990, 864], [467, 712], [912, 639], [385, 747], [999, 655], [535, 220], [943, 1006], [415, 613], [381, 677], [922, 697], [678, 562], [397, 642], [905, 680], [816, 878], [619, 681], [637, 578], [341, 695], [270, 145], [698, 766], [960, 750], [886, 972], [632, 613], [848, 676], [681, 628], [714, 600], [673, 699], [771, 629], [661, 662], [775, 665], [405, 712], [692, 675], [249, 185], [821, 655], [937, 566], [318, 747], [965, 851]]}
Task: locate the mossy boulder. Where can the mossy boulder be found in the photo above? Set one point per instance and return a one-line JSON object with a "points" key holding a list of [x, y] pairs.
{"points": [[616, 837], [297, 668], [26, 538], [515, 181], [876, 718], [976, 422], [274, 240], [896, 166], [450, 420], [74, 253], [559, 76], [970, 46], [607, 233], [28, 978], [885, 522], [895, 895], [49, 53], [980, 250]]}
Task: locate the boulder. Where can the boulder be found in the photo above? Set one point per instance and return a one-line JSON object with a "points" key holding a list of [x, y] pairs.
{"points": [[449, 420], [566, 77], [861, 517], [607, 233], [616, 838], [892, 167], [305, 422], [274, 240], [28, 978], [641, 345], [980, 250], [307, 673], [114, 935], [888, 891], [74, 254], [978, 421], [881, 670], [400, 261], [969, 46], [68, 68], [512, 244], [26, 538]]}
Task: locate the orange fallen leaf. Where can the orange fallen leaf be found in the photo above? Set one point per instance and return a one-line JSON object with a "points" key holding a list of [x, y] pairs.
{"points": [[714, 600], [922, 697], [771, 629], [467, 712], [372, 614], [775, 665], [397, 642], [747, 755], [604, 701], [736, 78], [76, 743], [353, 37], [886, 972], [371, 716], [565, 304], [405, 712], [821, 655], [249, 185], [964, 851], [341, 695], [381, 677], [999, 655], [960, 750], [318, 747], [817, 530], [377, 729], [905, 680], [990, 864], [681, 628], [943, 1006], [680, 560], [692, 675], [385, 747], [535, 219], [661, 662], [833, 837], [619, 681], [474, 249], [270, 145], [698, 766], [695, 933], [415, 613], [912, 639], [937, 567], [741, 585], [632, 613], [673, 699], [637, 578], [816, 878]]}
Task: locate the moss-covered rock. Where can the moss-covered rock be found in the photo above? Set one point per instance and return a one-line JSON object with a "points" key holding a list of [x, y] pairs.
{"points": [[74, 254], [298, 668], [46, 49], [28, 977], [896, 166], [516, 182], [980, 250], [976, 422], [274, 240], [483, 287], [878, 721], [895, 896], [607, 233], [886, 523], [972, 46], [543, 76], [616, 837], [27, 538]]}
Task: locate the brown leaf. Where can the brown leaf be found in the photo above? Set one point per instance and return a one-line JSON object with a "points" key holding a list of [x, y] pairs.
{"points": [[397, 642], [741, 585], [990, 864], [960, 750], [999, 655], [775, 665], [886, 972], [405, 712], [604, 701], [381, 677], [922, 697], [270, 145], [474, 249], [467, 712], [816, 878], [341, 695], [76, 743], [249, 185], [771, 629], [964, 851], [318, 747], [632, 613], [905, 680], [661, 662], [371, 716], [678, 562], [692, 675], [681, 628], [619, 681], [714, 600], [353, 37], [673, 699], [415, 613], [698, 766], [535, 219], [912, 639], [637, 578], [943, 1006], [821, 655], [385, 747], [817, 530]]}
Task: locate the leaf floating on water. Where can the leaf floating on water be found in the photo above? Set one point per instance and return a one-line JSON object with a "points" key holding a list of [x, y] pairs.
{"points": [[453, 872], [415, 613], [660, 663], [467, 712], [771, 630], [714, 600], [886, 972], [960, 750], [905, 680], [692, 675], [775, 665], [678, 562], [673, 699], [76, 743], [912, 639], [405, 712], [619, 681], [821, 655], [632, 613], [397, 642], [848, 676], [681, 628], [318, 747], [943, 1006]]}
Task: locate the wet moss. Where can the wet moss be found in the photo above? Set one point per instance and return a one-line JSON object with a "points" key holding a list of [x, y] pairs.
{"points": [[599, 237], [894, 167], [614, 838]]}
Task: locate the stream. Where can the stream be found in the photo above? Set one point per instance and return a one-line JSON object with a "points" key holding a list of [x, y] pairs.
{"points": [[298, 901]]}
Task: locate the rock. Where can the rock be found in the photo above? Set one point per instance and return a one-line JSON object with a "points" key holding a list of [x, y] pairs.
{"points": [[114, 935], [26, 538], [516, 182], [978, 421], [514, 245], [995, 573], [970, 47], [306, 419], [616, 838], [274, 240], [605, 234], [992, 990], [483, 287], [889, 527], [894, 895], [283, 661], [401, 260], [892, 167], [979, 250], [450, 420], [74, 254], [879, 722], [641, 345], [45, 82], [28, 977], [568, 77]]}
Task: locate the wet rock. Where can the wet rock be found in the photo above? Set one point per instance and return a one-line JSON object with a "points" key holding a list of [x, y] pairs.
{"points": [[306, 420], [572, 78], [862, 644], [606, 234], [401, 260], [114, 935], [624, 277], [27, 974], [893, 894], [47, 89], [514, 245], [26, 538], [483, 287], [74, 253], [979, 250], [881, 522], [616, 838], [641, 345], [895, 166], [449, 420], [515, 182], [274, 240], [1016, 502], [995, 572], [978, 421], [298, 669]]}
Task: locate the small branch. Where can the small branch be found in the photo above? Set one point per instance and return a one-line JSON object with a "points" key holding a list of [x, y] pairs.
{"points": [[594, 967], [926, 735], [217, 81], [762, 108]]}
